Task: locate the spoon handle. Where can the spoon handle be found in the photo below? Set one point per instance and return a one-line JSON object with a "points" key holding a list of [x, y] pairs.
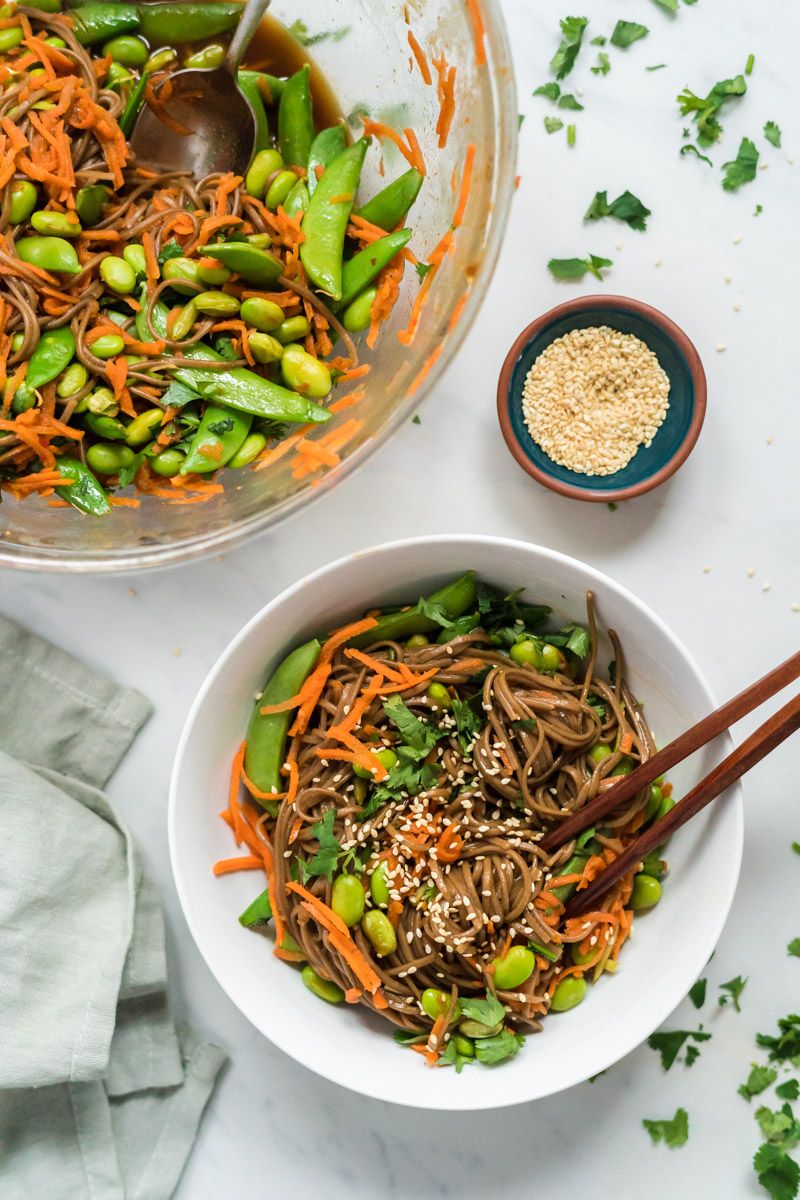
{"points": [[248, 23]]}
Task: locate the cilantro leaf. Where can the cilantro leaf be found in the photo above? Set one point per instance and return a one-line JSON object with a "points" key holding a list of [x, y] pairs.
{"points": [[569, 101], [434, 610], [790, 1090], [669, 1042], [674, 1132], [422, 269], [488, 1011], [126, 473], [599, 40], [178, 394], [563, 60], [224, 425], [170, 249], [468, 723], [705, 110], [299, 31], [670, 5], [627, 32], [419, 736], [786, 1045], [779, 1128], [743, 168], [796, 847], [690, 149], [777, 1172], [733, 989], [772, 132], [794, 947], [553, 124], [757, 1081], [626, 207], [330, 850], [576, 268], [656, 67], [550, 90], [603, 65], [697, 993], [572, 637], [499, 1047], [692, 1054], [451, 1057], [404, 778]]}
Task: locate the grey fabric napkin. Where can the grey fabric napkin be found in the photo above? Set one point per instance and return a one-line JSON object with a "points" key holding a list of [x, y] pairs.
{"points": [[100, 1094]]}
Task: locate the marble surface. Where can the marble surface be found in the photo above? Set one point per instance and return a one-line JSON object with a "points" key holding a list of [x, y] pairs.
{"points": [[687, 550]]}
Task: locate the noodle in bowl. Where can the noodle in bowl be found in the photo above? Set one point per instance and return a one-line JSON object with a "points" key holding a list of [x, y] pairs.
{"points": [[350, 1045]]}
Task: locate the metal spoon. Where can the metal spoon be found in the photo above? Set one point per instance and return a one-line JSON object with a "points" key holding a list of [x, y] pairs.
{"points": [[219, 121]]}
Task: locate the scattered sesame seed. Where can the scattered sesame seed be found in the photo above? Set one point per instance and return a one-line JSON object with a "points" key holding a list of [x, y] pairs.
{"points": [[737, 239], [751, 572], [766, 586], [658, 262], [720, 347]]}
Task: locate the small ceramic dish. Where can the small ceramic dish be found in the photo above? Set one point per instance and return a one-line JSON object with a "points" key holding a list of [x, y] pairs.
{"points": [[673, 443]]}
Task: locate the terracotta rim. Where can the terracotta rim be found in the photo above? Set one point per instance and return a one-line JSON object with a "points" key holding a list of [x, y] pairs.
{"points": [[585, 304]]}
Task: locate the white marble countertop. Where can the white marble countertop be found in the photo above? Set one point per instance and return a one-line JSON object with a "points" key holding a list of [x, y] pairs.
{"points": [[686, 550]]}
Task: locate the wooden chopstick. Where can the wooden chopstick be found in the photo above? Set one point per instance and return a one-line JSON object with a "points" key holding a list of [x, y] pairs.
{"points": [[685, 744], [780, 725]]}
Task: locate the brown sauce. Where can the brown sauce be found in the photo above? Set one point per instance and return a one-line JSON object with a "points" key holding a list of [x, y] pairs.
{"points": [[273, 49]]}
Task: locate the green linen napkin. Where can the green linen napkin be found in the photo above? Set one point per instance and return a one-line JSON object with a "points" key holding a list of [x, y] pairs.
{"points": [[98, 1089]]}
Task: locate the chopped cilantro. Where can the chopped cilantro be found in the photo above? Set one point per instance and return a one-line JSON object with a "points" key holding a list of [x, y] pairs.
{"points": [[553, 124], [529, 725], [563, 60], [603, 65], [692, 1054], [571, 135], [126, 473], [404, 777], [669, 1042], [670, 5], [326, 860], [705, 110], [422, 269], [743, 168], [777, 1173], [468, 723], [551, 953], [779, 1128], [794, 947], [772, 132], [691, 149], [170, 249], [611, 506], [418, 736], [451, 1057], [786, 1045], [299, 31], [488, 1011], [224, 425], [757, 211], [674, 1132], [757, 1081], [790, 1090], [576, 268], [733, 990], [626, 207], [569, 101], [499, 1047], [550, 90], [574, 638], [656, 67], [796, 847], [697, 993], [520, 121], [751, 62], [416, 419], [627, 32], [499, 609]]}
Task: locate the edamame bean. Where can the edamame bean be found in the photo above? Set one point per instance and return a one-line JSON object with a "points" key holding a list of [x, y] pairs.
{"points": [[655, 866], [11, 37], [279, 189], [305, 374], [653, 802], [477, 1029], [117, 275], [380, 932], [358, 315], [599, 751], [348, 899], [646, 892], [206, 59], [212, 272], [101, 400], [128, 50], [514, 968], [107, 459], [17, 341], [435, 1002], [216, 304], [292, 329], [159, 60], [261, 241], [667, 803], [168, 462], [143, 427], [568, 994], [50, 253], [378, 886], [580, 957], [324, 988], [624, 767], [464, 1046], [182, 274], [134, 257], [264, 165], [90, 202], [106, 427], [181, 327], [58, 42], [24, 198], [551, 659], [262, 314], [417, 641], [108, 345], [55, 224], [118, 75], [265, 349], [527, 654], [439, 694], [249, 450], [385, 756]]}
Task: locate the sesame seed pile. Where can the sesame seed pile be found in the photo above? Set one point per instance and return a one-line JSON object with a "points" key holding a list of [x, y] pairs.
{"points": [[593, 397]]}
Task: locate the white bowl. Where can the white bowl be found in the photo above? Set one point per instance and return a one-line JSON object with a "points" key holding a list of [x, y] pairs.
{"points": [[671, 944]]}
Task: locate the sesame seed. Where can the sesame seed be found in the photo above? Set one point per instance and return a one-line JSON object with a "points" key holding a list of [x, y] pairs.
{"points": [[720, 347]]}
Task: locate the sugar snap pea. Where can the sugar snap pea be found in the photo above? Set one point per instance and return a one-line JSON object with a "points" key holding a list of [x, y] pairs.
{"points": [[392, 204], [54, 351], [101, 21], [573, 866], [257, 913], [327, 145], [325, 222], [85, 492], [455, 599], [173, 24], [266, 733], [254, 265], [360, 270], [248, 86], [297, 200], [217, 438], [296, 119]]}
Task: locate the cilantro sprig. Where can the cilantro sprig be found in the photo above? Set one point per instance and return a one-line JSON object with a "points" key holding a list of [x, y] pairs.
{"points": [[626, 207], [670, 1042], [564, 58], [672, 1131], [627, 32], [741, 169], [731, 991], [576, 268]]}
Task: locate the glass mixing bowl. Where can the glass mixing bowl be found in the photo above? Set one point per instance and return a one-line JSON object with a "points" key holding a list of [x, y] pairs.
{"points": [[367, 59]]}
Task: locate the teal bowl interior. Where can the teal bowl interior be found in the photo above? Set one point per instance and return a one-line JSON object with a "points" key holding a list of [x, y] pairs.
{"points": [[678, 423]]}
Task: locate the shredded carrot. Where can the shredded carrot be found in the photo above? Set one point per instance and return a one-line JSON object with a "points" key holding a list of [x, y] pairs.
{"points": [[421, 57], [427, 366], [466, 184], [478, 30], [409, 148], [246, 862], [626, 742], [449, 845], [151, 261], [340, 937]]}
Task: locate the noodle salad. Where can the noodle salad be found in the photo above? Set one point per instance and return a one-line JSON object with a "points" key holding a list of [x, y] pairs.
{"points": [[157, 327], [396, 780]]}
